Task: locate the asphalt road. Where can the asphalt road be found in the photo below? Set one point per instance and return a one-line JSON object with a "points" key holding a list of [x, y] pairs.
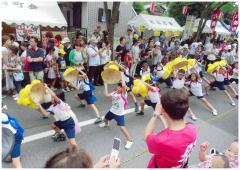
{"points": [[38, 146]]}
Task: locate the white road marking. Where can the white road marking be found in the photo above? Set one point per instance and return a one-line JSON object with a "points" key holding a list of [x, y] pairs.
{"points": [[51, 132]]}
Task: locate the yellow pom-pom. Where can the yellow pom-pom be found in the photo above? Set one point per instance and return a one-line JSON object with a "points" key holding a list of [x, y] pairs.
{"points": [[20, 101], [223, 63], [25, 101], [191, 63], [146, 77], [32, 106], [135, 90], [143, 88], [136, 82], [143, 94]]}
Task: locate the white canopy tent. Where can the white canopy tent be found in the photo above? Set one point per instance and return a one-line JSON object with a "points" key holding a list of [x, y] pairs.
{"points": [[207, 29], [152, 22], [45, 13]]}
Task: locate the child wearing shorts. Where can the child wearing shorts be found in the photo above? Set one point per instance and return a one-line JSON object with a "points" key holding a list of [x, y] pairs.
{"points": [[119, 103]]}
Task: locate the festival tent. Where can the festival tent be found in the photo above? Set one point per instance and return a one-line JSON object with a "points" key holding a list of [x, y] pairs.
{"points": [[44, 13], [153, 22], [219, 28]]}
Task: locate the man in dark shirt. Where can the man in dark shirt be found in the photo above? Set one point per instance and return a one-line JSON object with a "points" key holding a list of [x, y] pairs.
{"points": [[35, 59], [121, 48]]}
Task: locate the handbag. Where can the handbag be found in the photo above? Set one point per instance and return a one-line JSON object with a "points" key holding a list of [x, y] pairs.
{"points": [[18, 76]]}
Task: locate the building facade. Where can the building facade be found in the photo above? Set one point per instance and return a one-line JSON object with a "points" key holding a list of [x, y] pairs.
{"points": [[91, 14]]}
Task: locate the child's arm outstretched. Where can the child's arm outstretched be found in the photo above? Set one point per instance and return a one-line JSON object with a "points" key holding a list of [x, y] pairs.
{"points": [[123, 83], [51, 92]]}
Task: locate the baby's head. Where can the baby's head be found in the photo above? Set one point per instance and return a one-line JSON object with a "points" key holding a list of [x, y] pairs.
{"points": [[145, 65], [232, 149]]}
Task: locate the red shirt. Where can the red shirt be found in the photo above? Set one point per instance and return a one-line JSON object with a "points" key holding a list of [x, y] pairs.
{"points": [[171, 148]]}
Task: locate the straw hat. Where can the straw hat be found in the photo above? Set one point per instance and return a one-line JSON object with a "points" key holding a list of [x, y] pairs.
{"points": [[37, 92], [72, 76], [180, 64], [111, 76]]}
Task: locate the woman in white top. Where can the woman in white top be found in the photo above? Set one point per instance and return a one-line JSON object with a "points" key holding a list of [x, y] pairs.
{"points": [[157, 54], [135, 53], [105, 57]]}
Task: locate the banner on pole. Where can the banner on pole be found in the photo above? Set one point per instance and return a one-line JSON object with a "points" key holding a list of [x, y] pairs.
{"points": [[156, 33], [142, 28], [234, 23]]}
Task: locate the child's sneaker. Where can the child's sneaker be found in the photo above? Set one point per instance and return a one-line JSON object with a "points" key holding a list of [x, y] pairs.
{"points": [[140, 113], [214, 112], [193, 117], [64, 90], [44, 117], [103, 124], [233, 104], [98, 120], [82, 105], [128, 144]]}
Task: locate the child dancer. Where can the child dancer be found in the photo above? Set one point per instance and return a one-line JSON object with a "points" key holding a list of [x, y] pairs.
{"points": [[65, 119], [152, 98], [86, 93], [219, 82], [195, 85], [119, 103], [129, 85], [12, 124], [234, 77], [178, 83], [227, 81], [159, 73]]}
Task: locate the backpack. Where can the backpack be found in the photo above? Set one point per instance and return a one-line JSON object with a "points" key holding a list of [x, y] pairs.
{"points": [[14, 123]]}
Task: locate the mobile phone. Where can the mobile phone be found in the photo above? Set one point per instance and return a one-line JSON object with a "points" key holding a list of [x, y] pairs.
{"points": [[115, 149]]}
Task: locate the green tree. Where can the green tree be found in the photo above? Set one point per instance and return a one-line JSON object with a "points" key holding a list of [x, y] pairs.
{"points": [[201, 10], [139, 7]]}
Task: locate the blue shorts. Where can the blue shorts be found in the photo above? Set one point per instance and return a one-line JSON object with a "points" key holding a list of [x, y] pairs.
{"points": [[17, 146], [167, 81], [149, 103], [191, 94], [68, 126], [226, 82], [119, 119], [88, 96], [218, 84]]}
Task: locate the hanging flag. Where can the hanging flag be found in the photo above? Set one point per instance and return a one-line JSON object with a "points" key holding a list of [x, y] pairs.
{"points": [[152, 7], [214, 18], [234, 23], [185, 10], [221, 15]]}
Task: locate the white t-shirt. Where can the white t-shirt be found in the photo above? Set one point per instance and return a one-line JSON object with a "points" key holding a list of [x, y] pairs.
{"points": [[118, 103], [136, 53], [144, 72], [196, 88], [208, 47], [93, 60], [220, 77], [235, 73], [178, 84], [60, 110], [4, 118], [126, 78], [154, 95], [83, 86], [105, 57], [78, 58]]}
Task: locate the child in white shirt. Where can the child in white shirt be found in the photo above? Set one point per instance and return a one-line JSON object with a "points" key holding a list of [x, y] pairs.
{"points": [[195, 85], [119, 103]]}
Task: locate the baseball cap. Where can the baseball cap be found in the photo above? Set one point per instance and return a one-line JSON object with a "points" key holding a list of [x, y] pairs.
{"points": [[65, 40]]}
